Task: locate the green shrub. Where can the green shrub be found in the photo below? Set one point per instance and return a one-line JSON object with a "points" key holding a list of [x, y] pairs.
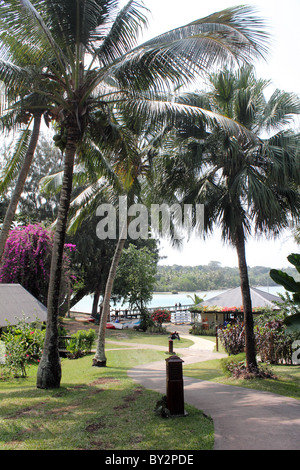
{"points": [[236, 367], [156, 329], [229, 363], [197, 329], [81, 343], [23, 344]]}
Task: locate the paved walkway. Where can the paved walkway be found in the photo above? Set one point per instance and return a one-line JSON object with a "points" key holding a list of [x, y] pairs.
{"points": [[243, 419]]}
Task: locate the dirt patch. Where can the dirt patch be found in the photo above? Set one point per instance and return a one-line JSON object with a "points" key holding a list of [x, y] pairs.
{"points": [[104, 380], [100, 445], [133, 396], [30, 410], [93, 427], [79, 322], [62, 411], [129, 398]]}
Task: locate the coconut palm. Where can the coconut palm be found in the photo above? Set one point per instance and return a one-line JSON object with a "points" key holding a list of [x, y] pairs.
{"points": [[19, 71], [91, 43], [246, 187]]}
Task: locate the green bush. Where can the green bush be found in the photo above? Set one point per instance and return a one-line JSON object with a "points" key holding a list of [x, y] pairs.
{"points": [[23, 344], [81, 343], [156, 329], [197, 329], [229, 363], [236, 367]]}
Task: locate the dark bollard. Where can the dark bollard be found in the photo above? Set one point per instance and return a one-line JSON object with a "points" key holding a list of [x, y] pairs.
{"points": [[175, 395], [171, 346]]}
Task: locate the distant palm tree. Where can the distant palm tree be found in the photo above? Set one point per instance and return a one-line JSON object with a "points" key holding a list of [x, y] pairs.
{"points": [[196, 299], [245, 185], [91, 44]]}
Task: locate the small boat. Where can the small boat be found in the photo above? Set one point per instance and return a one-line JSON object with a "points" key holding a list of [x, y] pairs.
{"points": [[132, 324], [114, 326]]}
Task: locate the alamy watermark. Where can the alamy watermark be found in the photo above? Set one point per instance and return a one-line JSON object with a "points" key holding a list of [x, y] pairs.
{"points": [[137, 221]]}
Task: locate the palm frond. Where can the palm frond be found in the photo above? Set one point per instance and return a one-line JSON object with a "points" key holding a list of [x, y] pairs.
{"points": [[14, 163], [156, 110], [281, 110], [123, 34]]}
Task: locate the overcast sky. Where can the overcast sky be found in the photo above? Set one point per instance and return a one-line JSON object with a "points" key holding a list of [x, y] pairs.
{"points": [[282, 67]]}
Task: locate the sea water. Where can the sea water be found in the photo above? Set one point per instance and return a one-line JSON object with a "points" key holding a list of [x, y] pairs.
{"points": [[166, 299]]}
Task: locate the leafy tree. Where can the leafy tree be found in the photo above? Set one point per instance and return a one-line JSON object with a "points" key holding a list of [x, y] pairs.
{"points": [[135, 278], [34, 206]]}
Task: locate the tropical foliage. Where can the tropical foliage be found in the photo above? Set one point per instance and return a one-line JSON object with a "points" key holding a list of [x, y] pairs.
{"points": [[23, 344], [161, 316], [293, 286], [246, 185], [27, 260], [91, 64], [212, 276]]}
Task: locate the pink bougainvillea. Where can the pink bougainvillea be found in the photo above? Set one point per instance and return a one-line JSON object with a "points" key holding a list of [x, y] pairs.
{"points": [[27, 259]]}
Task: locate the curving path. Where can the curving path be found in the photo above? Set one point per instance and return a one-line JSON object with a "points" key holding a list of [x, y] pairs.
{"points": [[243, 419]]}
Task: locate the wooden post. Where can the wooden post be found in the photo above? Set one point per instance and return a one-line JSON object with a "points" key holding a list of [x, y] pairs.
{"points": [[175, 394]]}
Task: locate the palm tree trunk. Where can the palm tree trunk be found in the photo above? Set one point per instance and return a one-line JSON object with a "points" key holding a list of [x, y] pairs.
{"points": [[251, 362], [97, 294], [49, 371], [100, 358], [12, 207]]}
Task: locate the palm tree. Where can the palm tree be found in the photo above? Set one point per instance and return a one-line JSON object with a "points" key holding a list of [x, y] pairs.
{"points": [[89, 44], [245, 186], [20, 69]]}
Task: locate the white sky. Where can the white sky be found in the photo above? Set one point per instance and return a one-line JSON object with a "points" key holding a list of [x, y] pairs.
{"points": [[282, 67]]}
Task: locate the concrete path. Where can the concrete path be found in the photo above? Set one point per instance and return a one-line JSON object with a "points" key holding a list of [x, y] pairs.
{"points": [[243, 419]]}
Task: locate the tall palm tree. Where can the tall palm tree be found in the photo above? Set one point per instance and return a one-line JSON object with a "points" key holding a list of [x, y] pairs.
{"points": [[246, 187], [90, 43], [20, 70]]}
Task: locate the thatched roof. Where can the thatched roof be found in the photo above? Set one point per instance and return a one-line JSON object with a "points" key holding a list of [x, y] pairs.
{"points": [[16, 302], [233, 298]]}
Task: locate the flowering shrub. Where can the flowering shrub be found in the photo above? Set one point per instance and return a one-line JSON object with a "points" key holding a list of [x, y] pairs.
{"points": [[27, 260], [23, 343], [161, 316]]}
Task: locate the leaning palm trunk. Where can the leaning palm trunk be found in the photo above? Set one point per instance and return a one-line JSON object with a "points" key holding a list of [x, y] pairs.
{"points": [[100, 358], [11, 210], [247, 304], [49, 371]]}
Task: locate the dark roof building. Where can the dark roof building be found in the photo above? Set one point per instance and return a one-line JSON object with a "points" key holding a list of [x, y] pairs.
{"points": [[16, 303]]}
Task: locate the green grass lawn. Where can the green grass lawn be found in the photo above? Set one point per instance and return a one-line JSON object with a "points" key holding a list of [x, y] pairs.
{"points": [[96, 409], [139, 337], [287, 382]]}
